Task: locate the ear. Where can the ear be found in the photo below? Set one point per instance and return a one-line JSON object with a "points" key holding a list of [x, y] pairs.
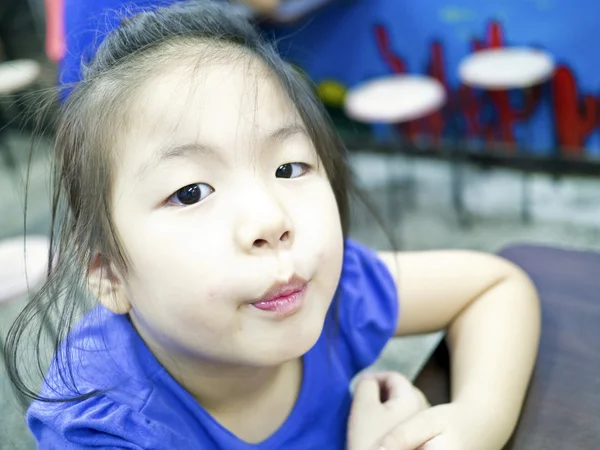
{"points": [[106, 284]]}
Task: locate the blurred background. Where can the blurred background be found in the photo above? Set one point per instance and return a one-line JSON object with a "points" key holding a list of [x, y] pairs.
{"points": [[470, 124]]}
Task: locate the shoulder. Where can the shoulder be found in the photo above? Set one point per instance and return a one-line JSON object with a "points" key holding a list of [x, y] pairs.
{"points": [[98, 389], [361, 261], [367, 304], [102, 353], [98, 421], [365, 276]]}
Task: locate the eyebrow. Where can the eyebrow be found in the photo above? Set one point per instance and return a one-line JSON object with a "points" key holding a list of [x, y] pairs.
{"points": [[195, 148], [286, 132]]}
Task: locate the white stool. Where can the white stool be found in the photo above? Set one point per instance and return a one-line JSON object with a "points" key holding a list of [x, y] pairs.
{"points": [[502, 69], [15, 76], [506, 68], [23, 268], [395, 99]]}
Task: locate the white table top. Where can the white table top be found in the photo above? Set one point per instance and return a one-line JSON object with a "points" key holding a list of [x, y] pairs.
{"points": [[395, 99], [18, 74], [506, 68], [20, 270]]}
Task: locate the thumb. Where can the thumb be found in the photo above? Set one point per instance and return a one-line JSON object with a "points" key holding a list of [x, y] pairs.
{"points": [[412, 433]]}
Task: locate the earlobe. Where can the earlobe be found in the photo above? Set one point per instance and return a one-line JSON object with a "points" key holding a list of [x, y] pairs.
{"points": [[106, 285]]}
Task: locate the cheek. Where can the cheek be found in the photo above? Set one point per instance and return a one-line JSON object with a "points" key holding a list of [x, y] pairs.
{"points": [[179, 278], [191, 319], [320, 214], [320, 234], [193, 285], [176, 250]]}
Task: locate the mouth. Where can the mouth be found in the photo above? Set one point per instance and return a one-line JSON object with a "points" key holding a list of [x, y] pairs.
{"points": [[283, 299]]}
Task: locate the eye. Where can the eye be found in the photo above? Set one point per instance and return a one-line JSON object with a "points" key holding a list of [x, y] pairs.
{"points": [[190, 194], [291, 170]]}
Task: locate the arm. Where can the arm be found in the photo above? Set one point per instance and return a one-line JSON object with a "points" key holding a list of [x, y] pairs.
{"points": [[262, 6], [490, 310]]}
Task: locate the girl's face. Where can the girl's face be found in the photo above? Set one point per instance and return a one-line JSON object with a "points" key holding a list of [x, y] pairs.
{"points": [[219, 195]]}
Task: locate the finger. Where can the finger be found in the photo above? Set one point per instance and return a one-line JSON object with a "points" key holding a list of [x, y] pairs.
{"points": [[423, 400], [366, 392], [412, 433], [402, 394], [393, 385], [397, 386], [413, 401]]}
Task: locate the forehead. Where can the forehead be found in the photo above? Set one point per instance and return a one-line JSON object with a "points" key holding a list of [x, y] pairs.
{"points": [[220, 103]]}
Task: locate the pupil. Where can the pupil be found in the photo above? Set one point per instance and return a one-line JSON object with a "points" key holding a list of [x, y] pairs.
{"points": [[284, 171], [189, 194]]}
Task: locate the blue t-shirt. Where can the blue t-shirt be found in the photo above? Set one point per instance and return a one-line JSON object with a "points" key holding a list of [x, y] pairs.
{"points": [[145, 408]]}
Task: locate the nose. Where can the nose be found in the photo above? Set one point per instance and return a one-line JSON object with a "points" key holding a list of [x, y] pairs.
{"points": [[263, 223]]}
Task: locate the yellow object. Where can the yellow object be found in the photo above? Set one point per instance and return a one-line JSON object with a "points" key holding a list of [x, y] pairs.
{"points": [[332, 93]]}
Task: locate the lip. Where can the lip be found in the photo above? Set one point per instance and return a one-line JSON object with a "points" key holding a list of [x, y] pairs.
{"points": [[283, 299]]}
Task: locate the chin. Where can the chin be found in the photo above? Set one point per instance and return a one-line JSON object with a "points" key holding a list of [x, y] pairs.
{"points": [[293, 345]]}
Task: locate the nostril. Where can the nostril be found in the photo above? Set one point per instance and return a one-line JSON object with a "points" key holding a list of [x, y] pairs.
{"points": [[285, 237], [260, 243]]}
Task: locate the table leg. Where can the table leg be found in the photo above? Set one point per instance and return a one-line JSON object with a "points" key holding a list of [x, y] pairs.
{"points": [[526, 202], [526, 197], [457, 163], [5, 149]]}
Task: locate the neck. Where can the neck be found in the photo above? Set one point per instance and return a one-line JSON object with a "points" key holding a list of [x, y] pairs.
{"points": [[224, 388]]}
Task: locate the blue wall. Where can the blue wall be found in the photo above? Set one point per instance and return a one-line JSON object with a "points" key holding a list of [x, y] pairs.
{"points": [[339, 44]]}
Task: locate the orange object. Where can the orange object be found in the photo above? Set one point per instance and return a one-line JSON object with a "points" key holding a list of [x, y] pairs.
{"points": [[55, 30]]}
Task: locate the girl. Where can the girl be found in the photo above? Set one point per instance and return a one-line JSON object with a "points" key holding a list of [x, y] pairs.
{"points": [[201, 196]]}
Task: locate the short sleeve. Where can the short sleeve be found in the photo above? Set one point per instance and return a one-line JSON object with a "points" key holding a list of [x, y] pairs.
{"points": [[110, 410], [97, 422], [368, 306]]}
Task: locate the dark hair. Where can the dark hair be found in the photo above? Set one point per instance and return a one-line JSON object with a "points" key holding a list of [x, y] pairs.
{"points": [[82, 225]]}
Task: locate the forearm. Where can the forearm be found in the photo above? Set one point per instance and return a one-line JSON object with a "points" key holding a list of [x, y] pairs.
{"points": [[493, 344]]}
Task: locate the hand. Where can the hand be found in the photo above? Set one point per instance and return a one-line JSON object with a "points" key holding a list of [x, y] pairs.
{"points": [[381, 402], [449, 427]]}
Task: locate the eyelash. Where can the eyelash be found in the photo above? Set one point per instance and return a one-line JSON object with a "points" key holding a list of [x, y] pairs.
{"points": [[193, 188]]}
